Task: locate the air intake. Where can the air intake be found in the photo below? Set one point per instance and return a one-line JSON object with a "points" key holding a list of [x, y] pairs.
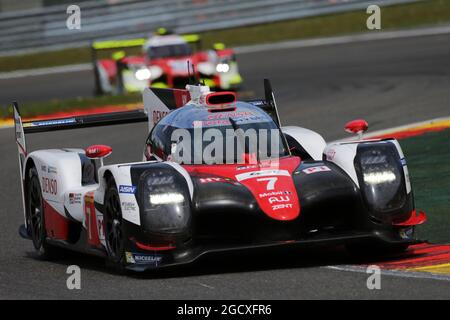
{"points": [[221, 100]]}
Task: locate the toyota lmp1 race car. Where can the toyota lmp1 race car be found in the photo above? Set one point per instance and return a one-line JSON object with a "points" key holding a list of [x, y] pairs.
{"points": [[175, 206], [163, 63]]}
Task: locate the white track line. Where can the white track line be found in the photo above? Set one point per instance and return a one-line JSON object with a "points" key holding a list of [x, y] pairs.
{"points": [[395, 273], [369, 36], [45, 71]]}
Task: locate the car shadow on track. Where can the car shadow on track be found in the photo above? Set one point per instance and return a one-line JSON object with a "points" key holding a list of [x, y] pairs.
{"points": [[232, 262]]}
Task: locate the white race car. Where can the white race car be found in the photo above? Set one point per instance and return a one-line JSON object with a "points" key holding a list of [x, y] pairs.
{"points": [[171, 208]]}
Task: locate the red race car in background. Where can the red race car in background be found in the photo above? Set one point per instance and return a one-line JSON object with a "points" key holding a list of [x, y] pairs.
{"points": [[162, 63]]}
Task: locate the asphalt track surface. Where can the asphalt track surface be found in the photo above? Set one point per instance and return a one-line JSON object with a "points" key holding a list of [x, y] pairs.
{"points": [[387, 82]]}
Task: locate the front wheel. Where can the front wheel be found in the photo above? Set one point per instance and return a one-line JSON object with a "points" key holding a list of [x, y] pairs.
{"points": [[114, 235]]}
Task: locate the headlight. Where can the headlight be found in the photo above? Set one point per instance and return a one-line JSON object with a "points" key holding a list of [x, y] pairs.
{"points": [[166, 198], [143, 74], [223, 67], [381, 178]]}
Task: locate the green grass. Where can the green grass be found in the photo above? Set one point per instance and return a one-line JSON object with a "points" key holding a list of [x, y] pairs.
{"points": [[42, 108], [393, 17], [428, 159]]}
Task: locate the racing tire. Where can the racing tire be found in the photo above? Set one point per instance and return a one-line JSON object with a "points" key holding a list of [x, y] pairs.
{"points": [[98, 90], [36, 218], [119, 88], [114, 234]]}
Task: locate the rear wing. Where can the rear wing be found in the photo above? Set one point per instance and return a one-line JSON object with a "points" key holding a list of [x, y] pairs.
{"points": [[158, 102], [136, 42], [28, 127], [21, 128]]}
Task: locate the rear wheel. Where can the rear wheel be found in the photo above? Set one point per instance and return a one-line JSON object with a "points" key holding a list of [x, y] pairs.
{"points": [[114, 235], [36, 217]]}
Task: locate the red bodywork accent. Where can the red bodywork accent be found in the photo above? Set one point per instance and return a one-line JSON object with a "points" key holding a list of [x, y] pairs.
{"points": [[356, 126], [153, 247], [166, 64], [139, 60], [413, 220], [181, 97], [56, 226], [110, 67], [270, 182], [98, 151], [91, 220]]}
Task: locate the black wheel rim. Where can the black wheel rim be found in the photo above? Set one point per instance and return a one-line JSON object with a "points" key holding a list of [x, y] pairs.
{"points": [[36, 213], [113, 226]]}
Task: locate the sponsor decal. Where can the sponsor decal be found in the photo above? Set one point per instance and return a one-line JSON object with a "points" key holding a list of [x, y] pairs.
{"points": [[210, 123], [282, 206], [74, 198], [250, 119], [330, 154], [152, 259], [246, 167], [226, 115], [128, 206], [49, 186], [261, 173], [44, 168], [279, 199], [316, 169], [273, 193], [51, 169], [158, 115], [49, 122], [213, 179], [127, 189]]}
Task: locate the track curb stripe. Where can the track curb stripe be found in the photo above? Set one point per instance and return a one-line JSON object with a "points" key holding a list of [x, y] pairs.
{"points": [[431, 261]]}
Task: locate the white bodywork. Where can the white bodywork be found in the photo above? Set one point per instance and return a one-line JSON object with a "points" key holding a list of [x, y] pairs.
{"points": [[59, 172], [343, 154], [311, 141]]}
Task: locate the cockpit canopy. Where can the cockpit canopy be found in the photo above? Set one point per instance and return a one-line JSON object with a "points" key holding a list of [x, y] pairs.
{"points": [[170, 46], [198, 135]]}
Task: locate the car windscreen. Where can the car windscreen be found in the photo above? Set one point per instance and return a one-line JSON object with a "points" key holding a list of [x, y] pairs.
{"points": [[229, 143], [175, 50]]}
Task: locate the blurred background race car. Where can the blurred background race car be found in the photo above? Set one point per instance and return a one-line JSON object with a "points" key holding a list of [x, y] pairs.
{"points": [[162, 63]]}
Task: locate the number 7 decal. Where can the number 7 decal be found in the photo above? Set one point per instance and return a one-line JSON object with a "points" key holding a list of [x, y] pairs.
{"points": [[270, 182]]}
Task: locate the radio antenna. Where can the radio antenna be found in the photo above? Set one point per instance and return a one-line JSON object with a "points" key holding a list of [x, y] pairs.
{"points": [[189, 73], [195, 76]]}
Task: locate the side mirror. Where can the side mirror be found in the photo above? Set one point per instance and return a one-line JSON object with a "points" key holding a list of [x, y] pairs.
{"points": [[357, 127], [98, 151]]}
